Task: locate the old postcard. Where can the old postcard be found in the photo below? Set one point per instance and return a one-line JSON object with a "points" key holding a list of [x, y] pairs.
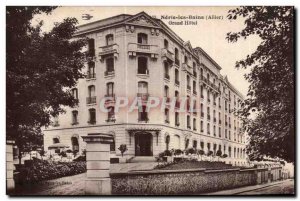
{"points": [[150, 100]]}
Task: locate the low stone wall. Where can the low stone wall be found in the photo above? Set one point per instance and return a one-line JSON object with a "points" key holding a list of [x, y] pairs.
{"points": [[192, 181]]}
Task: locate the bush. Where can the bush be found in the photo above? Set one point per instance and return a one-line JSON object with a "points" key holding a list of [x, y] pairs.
{"points": [[40, 170], [224, 156], [190, 151], [178, 152], [123, 148], [80, 158], [219, 153], [210, 153]]}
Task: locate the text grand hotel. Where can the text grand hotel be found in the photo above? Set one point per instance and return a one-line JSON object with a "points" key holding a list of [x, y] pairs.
{"points": [[139, 56]]}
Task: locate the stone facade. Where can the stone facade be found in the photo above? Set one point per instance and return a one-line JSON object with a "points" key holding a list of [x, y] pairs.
{"points": [[136, 55]]}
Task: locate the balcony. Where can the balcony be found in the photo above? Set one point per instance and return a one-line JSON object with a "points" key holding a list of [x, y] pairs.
{"points": [[90, 75], [91, 100], [167, 55], [177, 82], [109, 73], [137, 48], [108, 50]]}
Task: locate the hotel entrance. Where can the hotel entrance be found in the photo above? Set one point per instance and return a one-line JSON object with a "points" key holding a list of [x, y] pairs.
{"points": [[143, 144]]}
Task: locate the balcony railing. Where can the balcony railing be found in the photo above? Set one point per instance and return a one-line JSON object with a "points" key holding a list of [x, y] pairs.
{"points": [[90, 75], [91, 100], [109, 73], [108, 49], [134, 48]]}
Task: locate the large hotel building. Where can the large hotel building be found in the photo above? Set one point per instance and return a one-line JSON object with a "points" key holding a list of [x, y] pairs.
{"points": [[139, 56]]}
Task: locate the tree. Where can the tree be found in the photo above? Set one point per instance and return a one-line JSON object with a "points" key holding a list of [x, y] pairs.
{"points": [[123, 149], [42, 153], [270, 98], [201, 153], [219, 153], [41, 68]]}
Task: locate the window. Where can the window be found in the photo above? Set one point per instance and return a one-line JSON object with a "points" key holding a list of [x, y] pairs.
{"points": [[208, 128], [176, 76], [167, 115], [166, 68], [215, 131], [208, 96], [110, 89], [194, 124], [208, 113], [187, 142], [109, 39], [143, 114], [92, 116], [176, 56], [75, 144], [208, 77], [220, 134], [113, 145], [166, 91], [225, 133], [111, 114], [201, 74], [229, 151], [185, 60], [55, 140], [201, 109], [142, 65], [91, 47], [195, 144], [75, 93], [202, 145], [188, 121], [142, 38], [201, 91], [176, 118], [188, 82], [142, 87], [194, 87], [110, 65], [167, 142], [91, 95], [91, 70], [74, 117], [201, 126], [194, 69], [208, 146], [166, 44]]}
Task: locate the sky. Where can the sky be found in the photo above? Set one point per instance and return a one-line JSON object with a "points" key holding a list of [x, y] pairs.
{"points": [[209, 34]]}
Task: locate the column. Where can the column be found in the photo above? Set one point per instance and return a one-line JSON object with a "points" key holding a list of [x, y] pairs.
{"points": [[98, 163], [10, 183]]}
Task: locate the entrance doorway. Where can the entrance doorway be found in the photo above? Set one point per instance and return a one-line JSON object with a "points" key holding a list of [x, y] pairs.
{"points": [[143, 144]]}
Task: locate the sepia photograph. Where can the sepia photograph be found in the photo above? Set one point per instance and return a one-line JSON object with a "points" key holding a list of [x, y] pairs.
{"points": [[150, 100]]}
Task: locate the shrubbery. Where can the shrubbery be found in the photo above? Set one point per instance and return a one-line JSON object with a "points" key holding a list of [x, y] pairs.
{"points": [[40, 170]]}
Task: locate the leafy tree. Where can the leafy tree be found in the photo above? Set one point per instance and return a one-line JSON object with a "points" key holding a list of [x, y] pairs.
{"points": [[219, 153], [269, 110], [40, 70], [42, 153], [123, 149]]}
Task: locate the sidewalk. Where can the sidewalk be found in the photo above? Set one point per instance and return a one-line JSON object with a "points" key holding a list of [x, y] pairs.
{"points": [[241, 190]]}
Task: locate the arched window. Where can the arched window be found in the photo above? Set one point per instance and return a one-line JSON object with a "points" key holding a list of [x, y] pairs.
{"points": [[75, 93], [92, 116], [74, 117], [142, 38], [109, 39], [166, 44], [75, 144], [91, 95], [55, 140], [110, 65], [167, 142], [142, 65]]}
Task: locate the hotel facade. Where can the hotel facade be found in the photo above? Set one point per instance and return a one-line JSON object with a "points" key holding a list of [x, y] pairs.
{"points": [[139, 56]]}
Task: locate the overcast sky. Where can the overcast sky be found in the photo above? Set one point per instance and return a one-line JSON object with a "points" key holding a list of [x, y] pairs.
{"points": [[207, 34]]}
